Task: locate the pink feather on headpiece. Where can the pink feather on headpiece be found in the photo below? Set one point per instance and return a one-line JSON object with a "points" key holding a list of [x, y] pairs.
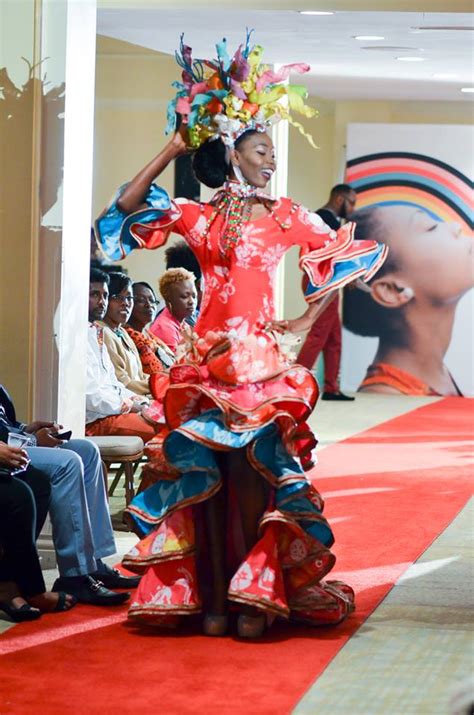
{"points": [[241, 68], [270, 77], [237, 89]]}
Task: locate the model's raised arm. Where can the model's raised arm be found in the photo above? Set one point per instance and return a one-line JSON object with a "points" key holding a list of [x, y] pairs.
{"points": [[133, 197]]}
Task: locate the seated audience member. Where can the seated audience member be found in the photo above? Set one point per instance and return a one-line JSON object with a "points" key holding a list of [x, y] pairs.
{"points": [[179, 255], [177, 286], [23, 510], [82, 530], [122, 350], [111, 408], [154, 353]]}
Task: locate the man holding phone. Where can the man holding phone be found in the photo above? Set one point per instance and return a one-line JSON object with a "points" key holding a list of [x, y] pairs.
{"points": [[82, 530]]}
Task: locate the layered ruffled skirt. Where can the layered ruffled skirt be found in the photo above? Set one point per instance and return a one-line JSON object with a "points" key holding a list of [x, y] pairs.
{"points": [[228, 394]]}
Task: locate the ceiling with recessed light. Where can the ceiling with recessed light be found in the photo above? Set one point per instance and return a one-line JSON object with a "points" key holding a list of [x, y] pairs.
{"points": [[440, 46]]}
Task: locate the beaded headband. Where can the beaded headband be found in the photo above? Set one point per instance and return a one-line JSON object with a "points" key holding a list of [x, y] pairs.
{"points": [[225, 97]]}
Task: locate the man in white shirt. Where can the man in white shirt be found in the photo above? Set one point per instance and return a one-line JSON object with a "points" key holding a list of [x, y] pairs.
{"points": [[111, 409]]}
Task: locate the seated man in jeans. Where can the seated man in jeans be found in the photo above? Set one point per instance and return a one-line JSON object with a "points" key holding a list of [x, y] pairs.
{"points": [[82, 531], [111, 408]]}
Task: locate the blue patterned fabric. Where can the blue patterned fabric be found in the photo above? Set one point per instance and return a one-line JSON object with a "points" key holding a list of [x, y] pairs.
{"points": [[112, 228], [346, 269], [200, 473]]}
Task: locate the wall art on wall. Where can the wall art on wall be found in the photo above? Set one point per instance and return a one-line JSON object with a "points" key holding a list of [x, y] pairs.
{"points": [[410, 331]]}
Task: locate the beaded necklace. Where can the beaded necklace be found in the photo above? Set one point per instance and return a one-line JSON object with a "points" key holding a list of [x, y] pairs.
{"points": [[234, 203]]}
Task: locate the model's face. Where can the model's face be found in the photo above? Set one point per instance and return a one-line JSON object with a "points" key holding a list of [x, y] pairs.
{"points": [[98, 300], [144, 305], [120, 306], [255, 158], [182, 299], [434, 258]]}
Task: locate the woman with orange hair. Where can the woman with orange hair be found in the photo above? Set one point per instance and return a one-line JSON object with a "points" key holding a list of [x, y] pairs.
{"points": [[178, 288]]}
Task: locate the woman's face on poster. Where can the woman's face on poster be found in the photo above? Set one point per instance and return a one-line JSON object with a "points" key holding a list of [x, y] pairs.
{"points": [[433, 258]]}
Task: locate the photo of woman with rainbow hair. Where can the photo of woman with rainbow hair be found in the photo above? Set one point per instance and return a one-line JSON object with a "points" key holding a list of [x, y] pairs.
{"points": [[410, 305]]}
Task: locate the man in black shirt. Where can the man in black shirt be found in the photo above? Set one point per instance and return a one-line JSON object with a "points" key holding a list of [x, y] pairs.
{"points": [[325, 334]]}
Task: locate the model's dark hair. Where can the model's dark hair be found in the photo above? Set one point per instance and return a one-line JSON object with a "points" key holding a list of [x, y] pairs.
{"points": [[118, 281], [179, 255], [209, 161], [362, 315], [98, 276], [143, 284]]}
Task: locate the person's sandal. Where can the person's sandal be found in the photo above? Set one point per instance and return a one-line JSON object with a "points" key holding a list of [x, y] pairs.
{"points": [[62, 604], [23, 613], [251, 626], [215, 625]]}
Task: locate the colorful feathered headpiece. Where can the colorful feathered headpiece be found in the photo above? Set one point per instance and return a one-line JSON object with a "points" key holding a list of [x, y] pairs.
{"points": [[227, 96]]}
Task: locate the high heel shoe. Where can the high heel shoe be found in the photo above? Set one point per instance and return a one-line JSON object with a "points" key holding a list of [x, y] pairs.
{"points": [[23, 613], [251, 626], [215, 625]]}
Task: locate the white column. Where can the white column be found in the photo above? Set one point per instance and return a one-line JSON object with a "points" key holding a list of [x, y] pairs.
{"points": [[68, 36], [77, 201]]}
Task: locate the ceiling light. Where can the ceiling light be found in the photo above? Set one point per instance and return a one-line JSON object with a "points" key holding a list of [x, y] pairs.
{"points": [[315, 12], [411, 59], [369, 38], [445, 75], [390, 48], [443, 28], [467, 89]]}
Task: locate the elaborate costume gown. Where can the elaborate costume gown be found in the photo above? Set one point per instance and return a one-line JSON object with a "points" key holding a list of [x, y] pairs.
{"points": [[235, 387]]}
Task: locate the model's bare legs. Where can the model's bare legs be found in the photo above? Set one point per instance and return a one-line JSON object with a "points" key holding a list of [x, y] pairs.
{"points": [[250, 490], [215, 512], [251, 499]]}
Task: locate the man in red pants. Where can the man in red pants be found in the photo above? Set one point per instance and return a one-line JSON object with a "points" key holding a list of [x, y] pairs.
{"points": [[325, 334]]}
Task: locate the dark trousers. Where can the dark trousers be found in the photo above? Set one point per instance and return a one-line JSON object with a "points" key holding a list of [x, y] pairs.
{"points": [[24, 503], [325, 335]]}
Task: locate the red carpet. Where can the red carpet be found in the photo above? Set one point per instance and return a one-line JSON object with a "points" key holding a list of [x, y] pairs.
{"points": [[390, 492]]}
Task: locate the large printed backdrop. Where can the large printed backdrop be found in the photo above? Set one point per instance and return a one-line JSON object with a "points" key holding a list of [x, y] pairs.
{"points": [[419, 167]]}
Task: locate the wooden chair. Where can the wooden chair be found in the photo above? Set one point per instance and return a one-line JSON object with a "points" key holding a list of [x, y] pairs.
{"points": [[125, 451]]}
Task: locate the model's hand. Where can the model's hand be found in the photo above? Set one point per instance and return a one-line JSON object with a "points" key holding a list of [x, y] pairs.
{"points": [[13, 457], [44, 436], [179, 141], [33, 427], [297, 325]]}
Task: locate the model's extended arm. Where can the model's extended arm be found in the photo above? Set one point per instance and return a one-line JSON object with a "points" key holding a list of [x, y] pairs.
{"points": [[305, 321], [133, 197]]}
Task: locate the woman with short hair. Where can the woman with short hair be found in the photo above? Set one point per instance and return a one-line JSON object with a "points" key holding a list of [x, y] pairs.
{"points": [[178, 288]]}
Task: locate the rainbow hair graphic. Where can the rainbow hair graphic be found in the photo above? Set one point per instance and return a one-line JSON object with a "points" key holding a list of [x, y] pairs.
{"points": [[226, 96], [394, 178]]}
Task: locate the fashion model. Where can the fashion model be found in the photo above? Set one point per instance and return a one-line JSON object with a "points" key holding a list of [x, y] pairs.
{"points": [[231, 522]]}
